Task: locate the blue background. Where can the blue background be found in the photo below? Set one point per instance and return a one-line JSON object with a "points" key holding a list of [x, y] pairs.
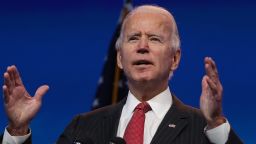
{"points": [[63, 43]]}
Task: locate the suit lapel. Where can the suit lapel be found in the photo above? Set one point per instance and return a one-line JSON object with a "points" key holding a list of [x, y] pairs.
{"points": [[173, 123], [111, 119]]}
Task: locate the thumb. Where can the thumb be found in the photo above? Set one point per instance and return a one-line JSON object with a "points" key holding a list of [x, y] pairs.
{"points": [[40, 92]]}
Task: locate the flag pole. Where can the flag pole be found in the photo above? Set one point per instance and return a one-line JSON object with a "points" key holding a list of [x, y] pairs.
{"points": [[127, 7]]}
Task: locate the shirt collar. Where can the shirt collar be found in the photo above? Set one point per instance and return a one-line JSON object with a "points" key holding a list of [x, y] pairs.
{"points": [[159, 104]]}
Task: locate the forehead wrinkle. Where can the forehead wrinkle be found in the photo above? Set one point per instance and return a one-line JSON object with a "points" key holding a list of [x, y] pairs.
{"points": [[162, 29], [166, 19], [153, 10]]}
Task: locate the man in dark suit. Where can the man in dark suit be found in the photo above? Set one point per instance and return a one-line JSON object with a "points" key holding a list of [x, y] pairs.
{"points": [[148, 50]]}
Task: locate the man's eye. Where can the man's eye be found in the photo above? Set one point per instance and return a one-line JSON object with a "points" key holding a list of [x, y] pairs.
{"points": [[155, 39], [133, 38]]}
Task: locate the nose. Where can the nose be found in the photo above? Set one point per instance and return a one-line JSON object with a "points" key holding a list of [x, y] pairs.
{"points": [[143, 46]]}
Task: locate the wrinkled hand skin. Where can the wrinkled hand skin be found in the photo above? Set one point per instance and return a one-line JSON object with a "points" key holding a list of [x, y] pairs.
{"points": [[19, 105], [211, 97]]}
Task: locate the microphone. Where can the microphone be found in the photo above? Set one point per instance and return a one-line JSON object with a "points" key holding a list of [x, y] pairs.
{"points": [[117, 140]]}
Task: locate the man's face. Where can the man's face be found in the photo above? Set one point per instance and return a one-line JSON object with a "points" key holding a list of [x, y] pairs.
{"points": [[146, 53]]}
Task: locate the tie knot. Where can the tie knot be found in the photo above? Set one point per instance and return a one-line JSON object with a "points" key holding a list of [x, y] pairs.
{"points": [[144, 106]]}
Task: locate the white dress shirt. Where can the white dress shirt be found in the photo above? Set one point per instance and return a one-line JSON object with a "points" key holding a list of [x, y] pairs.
{"points": [[160, 105], [8, 139]]}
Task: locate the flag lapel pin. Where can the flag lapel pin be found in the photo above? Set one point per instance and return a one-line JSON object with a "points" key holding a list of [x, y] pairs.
{"points": [[172, 125]]}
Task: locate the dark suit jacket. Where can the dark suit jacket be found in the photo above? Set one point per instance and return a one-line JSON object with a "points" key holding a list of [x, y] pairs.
{"points": [[100, 126]]}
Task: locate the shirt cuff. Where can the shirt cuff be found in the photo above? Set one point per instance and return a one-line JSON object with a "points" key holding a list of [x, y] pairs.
{"points": [[218, 135], [8, 139]]}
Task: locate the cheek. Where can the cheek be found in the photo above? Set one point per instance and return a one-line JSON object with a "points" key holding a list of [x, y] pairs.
{"points": [[165, 60], [126, 54], [124, 60]]}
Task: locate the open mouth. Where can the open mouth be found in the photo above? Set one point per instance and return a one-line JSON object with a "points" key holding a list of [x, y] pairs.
{"points": [[142, 62]]}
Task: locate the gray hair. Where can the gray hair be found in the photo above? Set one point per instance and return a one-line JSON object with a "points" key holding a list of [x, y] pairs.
{"points": [[175, 39]]}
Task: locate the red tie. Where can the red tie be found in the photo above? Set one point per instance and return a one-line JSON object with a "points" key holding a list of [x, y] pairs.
{"points": [[134, 132]]}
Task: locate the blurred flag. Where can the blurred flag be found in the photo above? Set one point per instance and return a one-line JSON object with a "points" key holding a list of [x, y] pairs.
{"points": [[112, 85]]}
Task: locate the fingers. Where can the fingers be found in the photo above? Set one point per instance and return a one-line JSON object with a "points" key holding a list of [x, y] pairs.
{"points": [[210, 104], [41, 91], [211, 87], [11, 80], [211, 98], [212, 73], [211, 69], [6, 94], [204, 84], [11, 76], [212, 78], [205, 87], [16, 75], [7, 82]]}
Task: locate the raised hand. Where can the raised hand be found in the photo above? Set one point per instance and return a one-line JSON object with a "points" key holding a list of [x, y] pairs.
{"points": [[211, 97], [20, 107]]}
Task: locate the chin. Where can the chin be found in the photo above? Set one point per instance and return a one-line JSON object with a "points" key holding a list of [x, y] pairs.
{"points": [[144, 78]]}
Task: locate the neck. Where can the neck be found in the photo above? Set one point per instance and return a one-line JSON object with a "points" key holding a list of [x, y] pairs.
{"points": [[145, 91]]}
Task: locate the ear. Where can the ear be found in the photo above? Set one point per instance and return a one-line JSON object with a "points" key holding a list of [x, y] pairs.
{"points": [[118, 59], [176, 60]]}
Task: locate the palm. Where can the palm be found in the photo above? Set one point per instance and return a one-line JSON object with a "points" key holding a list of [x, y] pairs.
{"points": [[19, 105], [211, 97], [210, 105]]}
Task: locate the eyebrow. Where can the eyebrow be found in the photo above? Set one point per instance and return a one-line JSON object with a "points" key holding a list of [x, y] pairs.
{"points": [[161, 37], [134, 34], [147, 34], [155, 35]]}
